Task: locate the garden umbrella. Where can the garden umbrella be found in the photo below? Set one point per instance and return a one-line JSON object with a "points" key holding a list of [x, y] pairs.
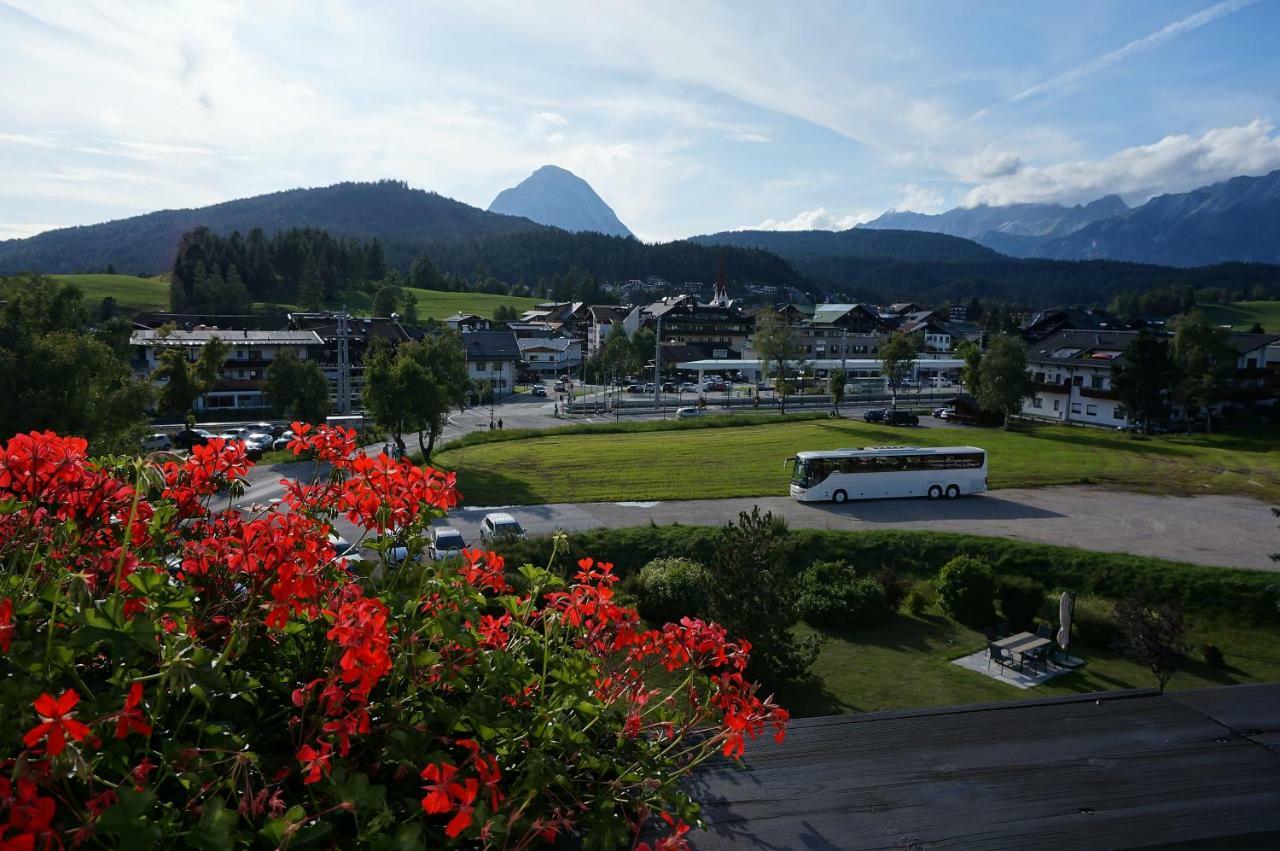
{"points": [[1065, 604]]}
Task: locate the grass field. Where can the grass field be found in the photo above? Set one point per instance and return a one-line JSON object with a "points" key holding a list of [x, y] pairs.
{"points": [[134, 293], [1243, 314], [130, 292], [906, 662], [747, 461]]}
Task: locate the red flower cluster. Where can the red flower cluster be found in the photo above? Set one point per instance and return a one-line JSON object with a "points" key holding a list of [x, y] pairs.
{"points": [[30, 817], [450, 791], [384, 495]]}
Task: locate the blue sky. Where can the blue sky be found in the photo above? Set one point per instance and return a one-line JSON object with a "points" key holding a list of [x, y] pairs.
{"points": [[687, 117]]}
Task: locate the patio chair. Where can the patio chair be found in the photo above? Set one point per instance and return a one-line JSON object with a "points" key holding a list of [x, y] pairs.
{"points": [[1001, 657], [1044, 631], [1002, 630]]}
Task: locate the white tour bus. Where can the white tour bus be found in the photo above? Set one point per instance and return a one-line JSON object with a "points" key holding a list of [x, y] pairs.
{"points": [[888, 471]]}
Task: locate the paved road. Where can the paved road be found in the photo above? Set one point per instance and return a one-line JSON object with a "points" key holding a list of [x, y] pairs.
{"points": [[1212, 530]]}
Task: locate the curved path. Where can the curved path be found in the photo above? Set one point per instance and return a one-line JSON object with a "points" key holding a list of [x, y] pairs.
{"points": [[1213, 530]]}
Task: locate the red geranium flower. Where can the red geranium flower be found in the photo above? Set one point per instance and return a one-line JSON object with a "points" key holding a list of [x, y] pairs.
{"points": [[56, 722], [6, 624], [316, 762], [130, 719]]}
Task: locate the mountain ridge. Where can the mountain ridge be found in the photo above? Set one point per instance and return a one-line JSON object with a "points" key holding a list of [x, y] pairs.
{"points": [[557, 197]]}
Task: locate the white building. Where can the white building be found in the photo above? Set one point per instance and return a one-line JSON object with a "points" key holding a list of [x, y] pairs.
{"points": [[492, 356], [250, 353], [550, 355]]}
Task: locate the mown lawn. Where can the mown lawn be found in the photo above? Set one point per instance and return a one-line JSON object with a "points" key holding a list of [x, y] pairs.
{"points": [[129, 291], [906, 662], [1242, 314], [748, 461]]}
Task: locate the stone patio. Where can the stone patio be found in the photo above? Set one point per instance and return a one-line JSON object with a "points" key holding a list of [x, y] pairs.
{"points": [[1026, 678]]}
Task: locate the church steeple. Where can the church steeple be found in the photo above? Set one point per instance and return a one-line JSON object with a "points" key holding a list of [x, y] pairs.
{"points": [[722, 286]]}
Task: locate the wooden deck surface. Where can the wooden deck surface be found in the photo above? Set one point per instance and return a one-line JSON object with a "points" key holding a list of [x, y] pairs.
{"points": [[1117, 770]]}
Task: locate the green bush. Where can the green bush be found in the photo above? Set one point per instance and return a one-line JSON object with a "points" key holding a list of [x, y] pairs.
{"points": [[1093, 622], [966, 587], [1221, 591], [921, 598], [832, 595], [1021, 599], [668, 589], [895, 587]]}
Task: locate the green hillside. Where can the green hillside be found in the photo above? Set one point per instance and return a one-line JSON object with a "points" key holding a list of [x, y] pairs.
{"points": [[1242, 314], [133, 293], [130, 292]]}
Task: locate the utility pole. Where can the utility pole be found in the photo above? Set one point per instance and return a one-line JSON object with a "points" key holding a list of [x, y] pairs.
{"points": [[344, 365], [657, 367]]}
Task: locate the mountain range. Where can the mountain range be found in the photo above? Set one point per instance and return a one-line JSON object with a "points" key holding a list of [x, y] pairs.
{"points": [[1235, 220], [557, 197], [1238, 219]]}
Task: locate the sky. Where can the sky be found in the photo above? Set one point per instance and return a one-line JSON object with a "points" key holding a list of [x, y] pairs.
{"points": [[686, 117]]}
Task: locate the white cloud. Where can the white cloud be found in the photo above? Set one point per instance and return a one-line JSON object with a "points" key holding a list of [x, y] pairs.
{"points": [[1173, 164], [1148, 42], [819, 219], [920, 199], [21, 230]]}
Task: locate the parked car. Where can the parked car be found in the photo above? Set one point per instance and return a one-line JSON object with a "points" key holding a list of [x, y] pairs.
{"points": [[344, 548], [539, 390], [944, 413], [498, 526], [190, 437], [237, 433], [688, 413], [260, 440], [648, 387], [668, 387], [266, 428], [874, 415], [282, 442], [687, 387], [635, 388], [445, 542], [714, 387], [901, 418], [157, 442]]}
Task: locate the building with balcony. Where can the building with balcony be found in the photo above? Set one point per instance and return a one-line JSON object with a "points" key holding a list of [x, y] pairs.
{"points": [[243, 375]]}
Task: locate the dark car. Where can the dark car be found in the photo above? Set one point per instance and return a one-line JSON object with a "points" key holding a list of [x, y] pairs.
{"points": [[539, 390], [901, 418], [190, 437], [875, 415]]}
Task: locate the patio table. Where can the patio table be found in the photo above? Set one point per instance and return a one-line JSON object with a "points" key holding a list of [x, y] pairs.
{"points": [[1024, 644]]}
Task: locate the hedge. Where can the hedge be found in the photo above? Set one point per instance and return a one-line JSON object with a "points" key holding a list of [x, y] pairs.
{"points": [[1230, 592]]}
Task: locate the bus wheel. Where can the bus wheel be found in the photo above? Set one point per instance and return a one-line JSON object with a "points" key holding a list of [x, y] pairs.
{"points": [[952, 491], [935, 492], [839, 497]]}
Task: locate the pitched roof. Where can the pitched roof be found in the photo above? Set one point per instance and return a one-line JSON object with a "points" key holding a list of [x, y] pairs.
{"points": [[558, 344], [232, 337], [490, 345]]}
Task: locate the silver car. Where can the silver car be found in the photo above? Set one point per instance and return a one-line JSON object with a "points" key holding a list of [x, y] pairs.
{"points": [[446, 542]]}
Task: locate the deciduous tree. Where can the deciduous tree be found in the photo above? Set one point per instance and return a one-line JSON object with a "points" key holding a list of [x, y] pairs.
{"points": [[835, 388], [1204, 359], [297, 388], [1154, 634], [897, 357], [1003, 380], [775, 342]]}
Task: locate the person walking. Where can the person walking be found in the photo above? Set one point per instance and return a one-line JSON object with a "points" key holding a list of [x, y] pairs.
{"points": [[499, 423]]}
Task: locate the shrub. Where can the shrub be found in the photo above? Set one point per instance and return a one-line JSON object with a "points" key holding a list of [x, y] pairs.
{"points": [[752, 592], [966, 587], [1213, 656], [1021, 599], [175, 673], [668, 589], [1093, 622], [895, 587], [921, 598], [833, 596]]}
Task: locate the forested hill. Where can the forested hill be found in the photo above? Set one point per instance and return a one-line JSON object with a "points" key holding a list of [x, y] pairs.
{"points": [[527, 257], [147, 244], [803, 245]]}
